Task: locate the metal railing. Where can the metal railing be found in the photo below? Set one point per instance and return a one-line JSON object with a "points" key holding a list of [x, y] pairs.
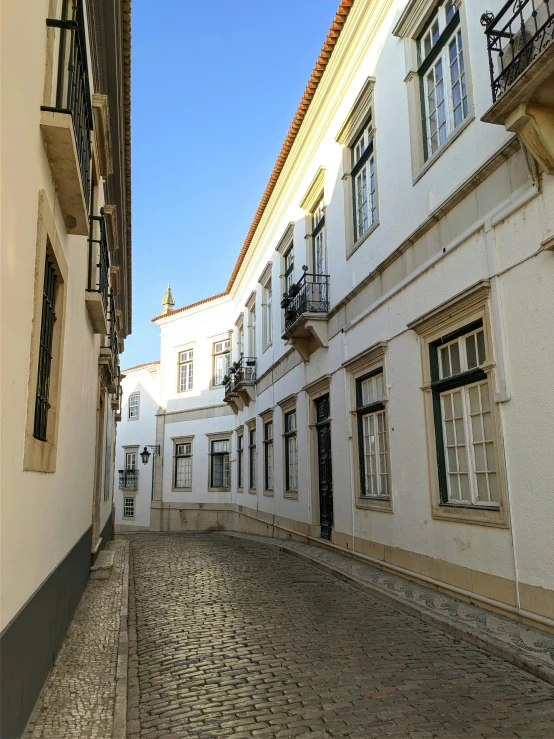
{"points": [[72, 83], [128, 479], [309, 295], [111, 342], [241, 372], [516, 36], [98, 259]]}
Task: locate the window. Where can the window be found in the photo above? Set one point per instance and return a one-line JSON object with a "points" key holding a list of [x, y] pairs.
{"points": [[252, 458], [363, 181], [134, 405], [221, 353], [291, 456], [240, 343], [464, 426], [240, 468], [372, 436], [267, 315], [289, 268], [268, 455], [252, 331], [219, 477], [129, 507], [182, 475], [186, 370], [319, 253], [442, 75], [130, 460], [42, 404]]}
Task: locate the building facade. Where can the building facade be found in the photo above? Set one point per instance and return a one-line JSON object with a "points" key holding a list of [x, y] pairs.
{"points": [[66, 310], [376, 376]]}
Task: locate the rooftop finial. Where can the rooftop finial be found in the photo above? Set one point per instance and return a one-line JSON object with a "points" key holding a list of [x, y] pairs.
{"points": [[168, 301]]}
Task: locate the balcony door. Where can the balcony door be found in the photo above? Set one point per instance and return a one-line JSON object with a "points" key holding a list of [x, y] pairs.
{"points": [[324, 466], [318, 288]]}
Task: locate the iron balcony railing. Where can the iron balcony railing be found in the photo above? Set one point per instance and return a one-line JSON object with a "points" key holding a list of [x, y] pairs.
{"points": [[309, 295], [72, 87], [241, 372], [111, 341], [516, 36], [98, 259], [128, 479]]}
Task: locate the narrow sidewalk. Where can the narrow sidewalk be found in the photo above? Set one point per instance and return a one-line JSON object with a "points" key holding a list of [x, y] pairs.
{"points": [[526, 647], [85, 692]]}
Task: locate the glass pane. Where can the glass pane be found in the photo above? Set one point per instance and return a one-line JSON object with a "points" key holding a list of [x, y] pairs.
{"points": [[455, 358], [493, 487], [485, 396], [379, 387], [460, 431], [449, 427], [471, 352], [487, 424], [452, 461], [481, 346], [445, 362], [489, 451], [457, 399], [454, 487], [462, 459], [464, 487], [476, 429], [447, 406], [482, 489], [449, 10], [479, 456], [474, 401]]}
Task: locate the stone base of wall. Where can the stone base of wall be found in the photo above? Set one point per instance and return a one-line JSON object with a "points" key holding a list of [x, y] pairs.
{"points": [[536, 604]]}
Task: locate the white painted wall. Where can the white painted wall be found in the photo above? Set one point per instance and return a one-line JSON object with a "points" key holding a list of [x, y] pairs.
{"points": [[526, 288]]}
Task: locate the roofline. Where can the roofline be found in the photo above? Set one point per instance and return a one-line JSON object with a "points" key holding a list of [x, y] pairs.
{"points": [[127, 142], [141, 366], [337, 25]]}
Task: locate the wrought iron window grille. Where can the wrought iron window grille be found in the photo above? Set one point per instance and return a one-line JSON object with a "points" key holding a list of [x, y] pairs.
{"points": [[128, 479], [98, 271], [42, 400], [516, 37]]}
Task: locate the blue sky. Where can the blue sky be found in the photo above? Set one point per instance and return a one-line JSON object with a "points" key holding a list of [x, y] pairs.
{"points": [[214, 89]]}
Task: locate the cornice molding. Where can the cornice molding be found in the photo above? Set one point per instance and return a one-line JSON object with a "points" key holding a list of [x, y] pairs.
{"points": [[251, 301], [288, 403], [286, 239], [266, 273], [472, 299], [315, 191], [414, 17], [318, 387], [357, 114], [373, 355]]}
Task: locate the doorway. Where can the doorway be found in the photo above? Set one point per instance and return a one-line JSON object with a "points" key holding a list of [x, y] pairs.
{"points": [[324, 466]]}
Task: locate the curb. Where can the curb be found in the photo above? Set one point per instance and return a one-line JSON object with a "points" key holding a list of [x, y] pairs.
{"points": [[119, 729], [496, 647]]}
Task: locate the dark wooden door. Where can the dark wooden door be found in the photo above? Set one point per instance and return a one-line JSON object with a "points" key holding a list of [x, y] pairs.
{"points": [[324, 467]]}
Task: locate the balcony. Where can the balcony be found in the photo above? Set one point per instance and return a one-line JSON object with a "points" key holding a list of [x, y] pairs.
{"points": [[239, 383], [520, 44], [66, 125], [96, 296], [109, 351], [306, 308], [128, 479]]}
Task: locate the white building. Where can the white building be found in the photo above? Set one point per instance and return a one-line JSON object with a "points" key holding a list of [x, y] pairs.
{"points": [[398, 406], [66, 309]]}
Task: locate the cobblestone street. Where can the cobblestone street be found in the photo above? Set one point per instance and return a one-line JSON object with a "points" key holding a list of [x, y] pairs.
{"points": [[235, 639]]}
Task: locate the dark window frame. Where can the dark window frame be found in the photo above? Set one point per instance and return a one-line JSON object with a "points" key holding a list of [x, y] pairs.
{"points": [[176, 457], [220, 454], [361, 411], [46, 348], [268, 442], [288, 435], [240, 468], [252, 459]]}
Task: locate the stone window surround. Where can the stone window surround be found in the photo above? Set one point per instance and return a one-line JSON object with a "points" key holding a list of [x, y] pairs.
{"points": [[287, 405], [316, 389], [251, 425], [267, 417], [367, 361], [40, 456], [133, 418], [219, 436], [409, 28], [182, 440], [346, 137], [459, 311], [239, 431], [264, 279], [314, 194]]}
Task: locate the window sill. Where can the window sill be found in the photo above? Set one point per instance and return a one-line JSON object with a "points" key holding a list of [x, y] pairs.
{"points": [[496, 517], [362, 239], [291, 494], [252, 491], [375, 504], [219, 490], [181, 490], [268, 493], [240, 490], [443, 147], [134, 418]]}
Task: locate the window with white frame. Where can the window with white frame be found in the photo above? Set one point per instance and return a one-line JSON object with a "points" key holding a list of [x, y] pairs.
{"points": [[252, 331], [443, 77], [319, 249], [252, 458], [186, 370], [240, 341], [182, 471], [219, 463], [363, 181], [464, 424], [240, 461], [129, 506], [291, 453], [222, 359], [372, 436], [268, 455], [130, 460], [289, 268], [134, 405], [267, 314]]}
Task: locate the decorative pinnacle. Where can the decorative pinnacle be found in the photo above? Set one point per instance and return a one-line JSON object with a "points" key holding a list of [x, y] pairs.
{"points": [[168, 301]]}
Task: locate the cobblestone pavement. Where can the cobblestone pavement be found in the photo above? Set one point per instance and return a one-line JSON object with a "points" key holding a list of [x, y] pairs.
{"points": [[78, 698], [237, 639]]}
